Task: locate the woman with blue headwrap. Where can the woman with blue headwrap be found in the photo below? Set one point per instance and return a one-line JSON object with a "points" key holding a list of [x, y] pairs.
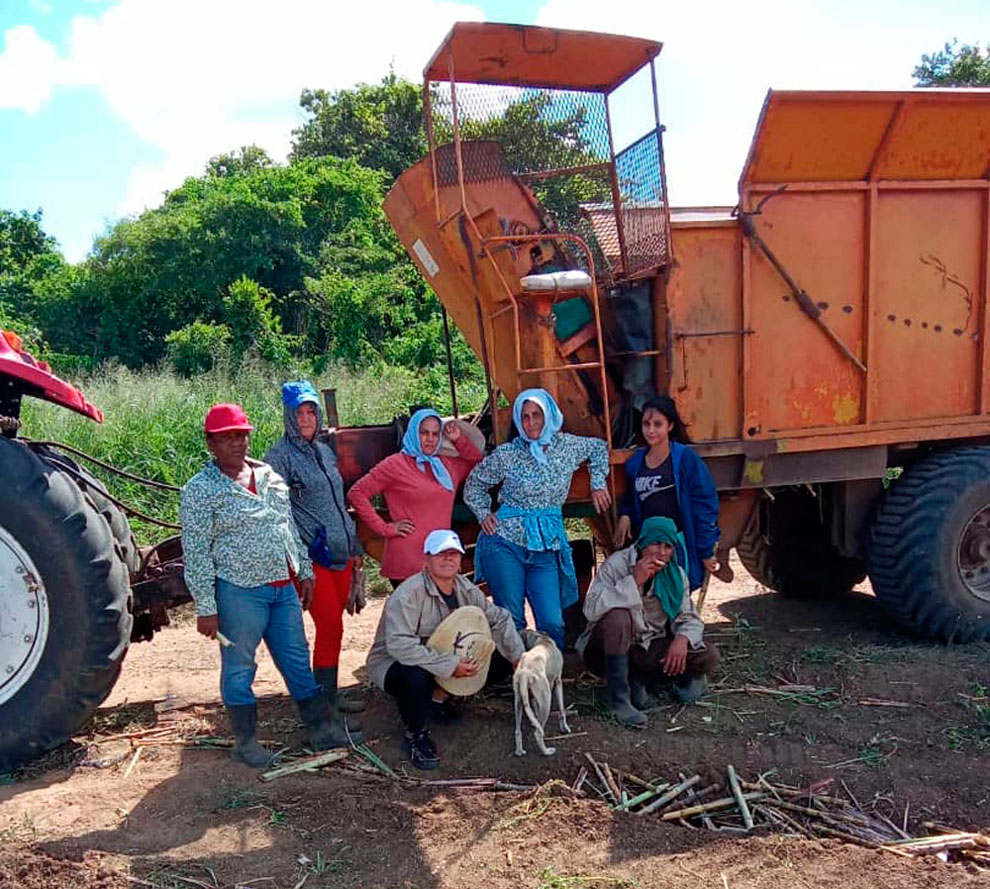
{"points": [[419, 485], [523, 552]]}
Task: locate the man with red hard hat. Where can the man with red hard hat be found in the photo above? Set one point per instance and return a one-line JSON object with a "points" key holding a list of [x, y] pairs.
{"points": [[242, 551]]}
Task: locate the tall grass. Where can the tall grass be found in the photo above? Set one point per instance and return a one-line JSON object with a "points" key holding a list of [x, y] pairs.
{"points": [[154, 418]]}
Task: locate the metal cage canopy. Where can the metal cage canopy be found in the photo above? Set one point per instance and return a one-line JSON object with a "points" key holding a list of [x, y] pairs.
{"points": [[531, 106], [549, 58]]}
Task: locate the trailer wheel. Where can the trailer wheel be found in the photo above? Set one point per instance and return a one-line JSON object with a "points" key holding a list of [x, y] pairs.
{"points": [[786, 548], [64, 606], [929, 547]]}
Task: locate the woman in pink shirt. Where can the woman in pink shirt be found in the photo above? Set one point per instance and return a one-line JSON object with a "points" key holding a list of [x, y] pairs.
{"points": [[419, 486]]}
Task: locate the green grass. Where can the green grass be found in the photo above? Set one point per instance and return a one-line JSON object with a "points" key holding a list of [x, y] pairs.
{"points": [[550, 879], [153, 424]]}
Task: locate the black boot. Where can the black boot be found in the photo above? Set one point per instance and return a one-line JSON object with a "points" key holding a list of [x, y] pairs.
{"points": [[419, 747], [327, 677], [617, 683], [640, 696], [246, 747], [325, 732]]}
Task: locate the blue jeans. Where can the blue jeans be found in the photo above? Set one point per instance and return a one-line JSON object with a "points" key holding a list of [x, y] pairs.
{"points": [[515, 574], [250, 614]]}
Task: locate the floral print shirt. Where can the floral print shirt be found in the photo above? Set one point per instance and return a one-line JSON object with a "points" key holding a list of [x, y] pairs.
{"points": [[231, 533], [527, 484]]}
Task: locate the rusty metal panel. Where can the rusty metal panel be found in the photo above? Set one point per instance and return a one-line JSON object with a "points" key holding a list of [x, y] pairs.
{"points": [[927, 311], [799, 379], [848, 136], [703, 296], [938, 140], [551, 58]]}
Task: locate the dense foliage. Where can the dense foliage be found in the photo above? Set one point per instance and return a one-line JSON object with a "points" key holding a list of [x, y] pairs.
{"points": [[955, 65]]}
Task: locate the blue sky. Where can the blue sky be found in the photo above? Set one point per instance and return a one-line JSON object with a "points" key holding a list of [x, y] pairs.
{"points": [[105, 104]]}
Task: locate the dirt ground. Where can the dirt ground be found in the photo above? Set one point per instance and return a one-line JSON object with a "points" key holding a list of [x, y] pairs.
{"points": [[188, 817]]}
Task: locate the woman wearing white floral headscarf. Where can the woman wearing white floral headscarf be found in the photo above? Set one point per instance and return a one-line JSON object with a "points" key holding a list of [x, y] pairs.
{"points": [[523, 552]]}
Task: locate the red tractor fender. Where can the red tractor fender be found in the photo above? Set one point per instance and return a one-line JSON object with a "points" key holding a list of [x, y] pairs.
{"points": [[21, 365]]}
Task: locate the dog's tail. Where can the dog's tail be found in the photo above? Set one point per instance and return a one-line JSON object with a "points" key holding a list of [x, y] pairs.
{"points": [[537, 691]]}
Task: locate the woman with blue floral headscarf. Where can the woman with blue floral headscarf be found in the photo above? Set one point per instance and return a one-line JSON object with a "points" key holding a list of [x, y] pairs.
{"points": [[523, 552], [419, 485]]}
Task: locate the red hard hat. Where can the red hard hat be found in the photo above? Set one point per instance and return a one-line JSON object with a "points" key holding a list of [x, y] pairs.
{"points": [[226, 418]]}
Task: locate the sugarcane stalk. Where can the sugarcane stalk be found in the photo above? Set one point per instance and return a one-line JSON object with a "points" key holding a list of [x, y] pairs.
{"points": [[723, 803], [309, 763], [747, 816], [643, 797], [670, 795], [601, 777]]}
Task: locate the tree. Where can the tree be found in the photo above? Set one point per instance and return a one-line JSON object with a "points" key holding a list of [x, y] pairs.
{"points": [[240, 162], [274, 225], [378, 125], [955, 66], [27, 256]]}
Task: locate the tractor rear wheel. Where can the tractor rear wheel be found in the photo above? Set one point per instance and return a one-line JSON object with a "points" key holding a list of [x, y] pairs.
{"points": [[786, 547], [929, 547], [65, 620]]}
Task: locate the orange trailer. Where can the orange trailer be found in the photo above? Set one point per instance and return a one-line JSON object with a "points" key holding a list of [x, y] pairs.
{"points": [[826, 333]]}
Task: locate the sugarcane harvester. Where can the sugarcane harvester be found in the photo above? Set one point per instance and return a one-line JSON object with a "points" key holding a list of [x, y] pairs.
{"points": [[828, 332]]}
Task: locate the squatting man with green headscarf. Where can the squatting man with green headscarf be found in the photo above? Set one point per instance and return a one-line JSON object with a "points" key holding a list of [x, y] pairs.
{"points": [[643, 630]]}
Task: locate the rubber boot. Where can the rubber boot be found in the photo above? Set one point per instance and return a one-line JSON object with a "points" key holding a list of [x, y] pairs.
{"points": [[325, 732], [246, 747], [327, 677], [617, 683], [687, 690], [640, 696]]}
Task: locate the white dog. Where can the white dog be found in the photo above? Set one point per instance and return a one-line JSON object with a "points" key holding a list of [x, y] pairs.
{"points": [[538, 674]]}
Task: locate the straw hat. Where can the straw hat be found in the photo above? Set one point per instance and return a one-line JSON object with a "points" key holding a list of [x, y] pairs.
{"points": [[464, 632]]}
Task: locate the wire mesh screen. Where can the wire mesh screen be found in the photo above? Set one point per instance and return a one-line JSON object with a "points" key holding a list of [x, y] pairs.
{"points": [[641, 200], [557, 143]]}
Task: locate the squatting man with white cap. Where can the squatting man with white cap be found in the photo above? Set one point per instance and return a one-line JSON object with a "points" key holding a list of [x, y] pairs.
{"points": [[438, 636]]}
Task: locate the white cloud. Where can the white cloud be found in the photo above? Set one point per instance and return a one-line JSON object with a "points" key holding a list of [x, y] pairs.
{"points": [[196, 78], [29, 68], [719, 59]]}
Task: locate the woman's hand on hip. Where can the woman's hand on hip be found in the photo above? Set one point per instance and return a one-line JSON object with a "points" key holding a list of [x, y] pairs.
{"points": [[489, 523], [622, 532], [208, 626], [401, 528], [601, 499]]}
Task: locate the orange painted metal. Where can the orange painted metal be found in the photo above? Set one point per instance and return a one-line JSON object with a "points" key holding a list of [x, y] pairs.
{"points": [[877, 204], [849, 136], [540, 57]]}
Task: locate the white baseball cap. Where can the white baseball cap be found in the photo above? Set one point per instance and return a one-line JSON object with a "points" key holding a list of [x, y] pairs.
{"points": [[440, 541]]}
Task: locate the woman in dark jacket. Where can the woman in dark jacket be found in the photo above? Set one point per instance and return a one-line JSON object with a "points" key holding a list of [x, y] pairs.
{"points": [[316, 489], [667, 479]]}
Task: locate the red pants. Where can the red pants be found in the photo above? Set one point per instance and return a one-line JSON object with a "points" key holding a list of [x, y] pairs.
{"points": [[327, 611]]}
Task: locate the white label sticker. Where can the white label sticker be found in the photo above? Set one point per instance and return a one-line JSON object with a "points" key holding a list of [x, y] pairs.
{"points": [[425, 257]]}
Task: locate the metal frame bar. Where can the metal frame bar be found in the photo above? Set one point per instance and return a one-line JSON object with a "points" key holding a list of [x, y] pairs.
{"points": [[564, 236], [620, 227], [870, 383], [668, 244], [983, 404]]}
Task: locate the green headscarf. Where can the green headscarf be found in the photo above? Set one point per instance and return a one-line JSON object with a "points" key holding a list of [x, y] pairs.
{"points": [[668, 585]]}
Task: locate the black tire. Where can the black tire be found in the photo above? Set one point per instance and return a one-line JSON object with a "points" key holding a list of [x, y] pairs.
{"points": [[88, 593], [96, 491], [915, 541], [786, 548]]}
